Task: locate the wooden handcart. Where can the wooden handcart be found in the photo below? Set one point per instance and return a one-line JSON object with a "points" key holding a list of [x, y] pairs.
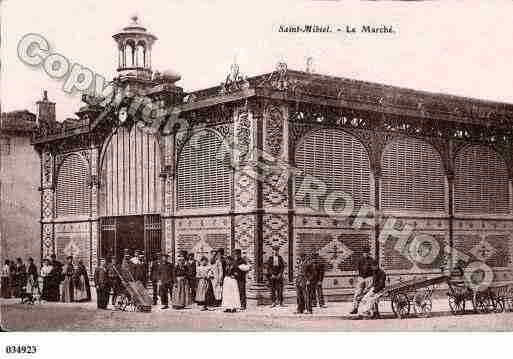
{"points": [[494, 298], [134, 297], [416, 293]]}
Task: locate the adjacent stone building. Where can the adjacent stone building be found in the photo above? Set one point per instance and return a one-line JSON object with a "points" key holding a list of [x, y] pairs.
{"points": [[210, 172], [20, 202]]}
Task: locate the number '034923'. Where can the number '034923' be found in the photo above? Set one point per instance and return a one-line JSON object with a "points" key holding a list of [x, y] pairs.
{"points": [[20, 349]]}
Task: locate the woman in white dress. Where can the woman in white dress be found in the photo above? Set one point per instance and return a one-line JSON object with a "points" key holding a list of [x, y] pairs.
{"points": [[231, 297]]}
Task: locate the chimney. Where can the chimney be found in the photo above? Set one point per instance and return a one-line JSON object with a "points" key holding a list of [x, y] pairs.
{"points": [[45, 111]]}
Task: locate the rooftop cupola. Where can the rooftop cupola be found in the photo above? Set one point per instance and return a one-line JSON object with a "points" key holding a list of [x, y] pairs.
{"points": [[134, 46]]}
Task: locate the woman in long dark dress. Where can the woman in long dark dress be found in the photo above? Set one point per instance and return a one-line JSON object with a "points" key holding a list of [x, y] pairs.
{"points": [[20, 277], [67, 283], [181, 293], [32, 278], [82, 290], [6, 286]]}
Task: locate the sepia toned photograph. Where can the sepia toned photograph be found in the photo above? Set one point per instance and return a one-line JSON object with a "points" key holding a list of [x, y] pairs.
{"points": [[233, 166]]}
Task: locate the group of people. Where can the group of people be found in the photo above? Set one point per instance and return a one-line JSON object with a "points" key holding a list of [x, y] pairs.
{"points": [[310, 274], [217, 281], [16, 276], [54, 281]]}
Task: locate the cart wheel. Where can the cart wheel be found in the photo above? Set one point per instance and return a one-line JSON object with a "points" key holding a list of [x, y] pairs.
{"points": [[423, 306], [482, 302], [121, 302], [457, 304], [132, 307], [500, 305], [400, 305]]}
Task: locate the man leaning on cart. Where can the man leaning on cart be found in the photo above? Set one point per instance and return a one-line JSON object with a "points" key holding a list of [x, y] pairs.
{"points": [[364, 280]]}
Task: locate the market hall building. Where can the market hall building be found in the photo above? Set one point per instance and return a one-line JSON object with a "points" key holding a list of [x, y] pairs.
{"points": [[440, 164]]}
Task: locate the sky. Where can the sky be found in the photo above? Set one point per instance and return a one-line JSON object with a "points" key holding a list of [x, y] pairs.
{"points": [[456, 47]]}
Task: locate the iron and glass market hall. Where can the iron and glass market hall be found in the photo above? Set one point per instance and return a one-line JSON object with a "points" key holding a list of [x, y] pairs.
{"points": [[302, 161]]}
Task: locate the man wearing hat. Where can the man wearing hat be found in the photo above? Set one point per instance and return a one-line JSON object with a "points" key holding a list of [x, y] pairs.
{"points": [[304, 276], [155, 263], [242, 266], [364, 280], [165, 280], [275, 268], [101, 281]]}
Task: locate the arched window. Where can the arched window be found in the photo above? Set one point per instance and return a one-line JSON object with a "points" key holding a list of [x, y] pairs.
{"points": [[72, 191], [412, 177], [337, 159], [129, 54], [130, 170], [203, 180], [480, 182], [141, 54]]}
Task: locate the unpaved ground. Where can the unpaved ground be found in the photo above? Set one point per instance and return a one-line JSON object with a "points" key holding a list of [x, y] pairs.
{"points": [[85, 317]]}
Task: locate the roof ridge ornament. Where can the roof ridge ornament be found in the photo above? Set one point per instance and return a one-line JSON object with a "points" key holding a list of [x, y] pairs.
{"points": [[278, 79], [235, 80]]}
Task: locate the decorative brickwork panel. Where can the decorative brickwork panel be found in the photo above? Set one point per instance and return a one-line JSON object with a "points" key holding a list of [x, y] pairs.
{"points": [[168, 183], [480, 182], [275, 194], [245, 240], [168, 236], [47, 240], [245, 191], [72, 191], [47, 160], [338, 160], [483, 240], [203, 180], [274, 132], [94, 245], [201, 235], [412, 177], [47, 204], [423, 251], [339, 249], [73, 239], [276, 233]]}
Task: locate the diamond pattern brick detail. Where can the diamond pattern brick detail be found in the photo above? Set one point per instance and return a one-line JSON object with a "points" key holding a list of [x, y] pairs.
{"points": [[245, 239], [272, 194], [245, 196]]}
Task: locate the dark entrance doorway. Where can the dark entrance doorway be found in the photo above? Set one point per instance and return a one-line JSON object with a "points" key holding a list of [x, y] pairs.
{"points": [[133, 233]]}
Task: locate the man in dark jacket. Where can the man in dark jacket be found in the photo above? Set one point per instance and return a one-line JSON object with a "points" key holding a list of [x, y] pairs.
{"points": [[304, 277], [165, 280], [101, 281], [113, 272], [154, 277], [319, 270], [55, 280], [191, 274], [364, 280], [242, 267], [275, 268], [369, 303]]}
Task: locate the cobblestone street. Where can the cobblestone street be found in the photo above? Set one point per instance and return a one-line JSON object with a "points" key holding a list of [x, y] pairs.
{"points": [[85, 316]]}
